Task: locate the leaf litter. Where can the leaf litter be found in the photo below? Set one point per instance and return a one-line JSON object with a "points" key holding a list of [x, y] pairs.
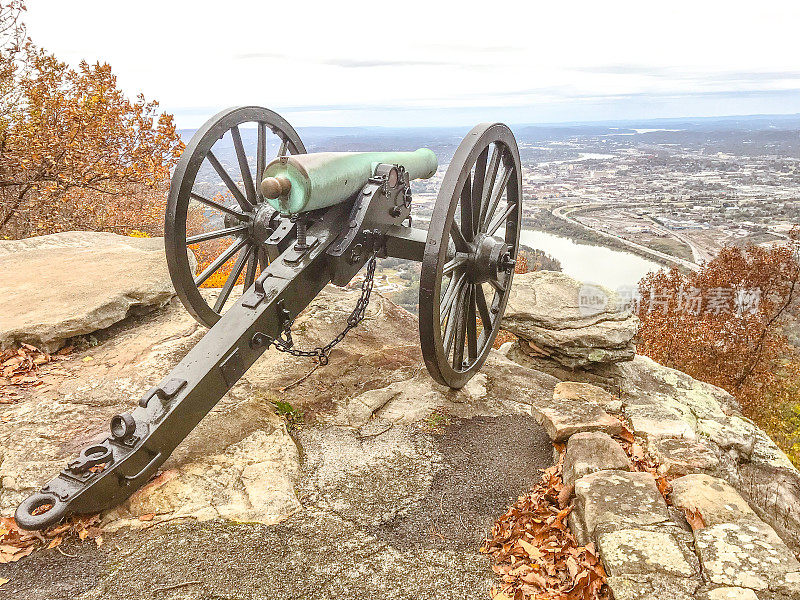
{"points": [[21, 368], [17, 543], [534, 553], [536, 556]]}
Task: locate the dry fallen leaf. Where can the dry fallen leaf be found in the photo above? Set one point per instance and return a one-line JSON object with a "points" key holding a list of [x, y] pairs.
{"points": [[147, 517], [4, 581], [536, 556], [694, 518], [16, 543], [565, 494], [55, 542], [532, 550]]}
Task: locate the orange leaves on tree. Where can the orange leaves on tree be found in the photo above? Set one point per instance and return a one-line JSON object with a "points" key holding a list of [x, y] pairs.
{"points": [[745, 352], [75, 152], [206, 252], [521, 265]]}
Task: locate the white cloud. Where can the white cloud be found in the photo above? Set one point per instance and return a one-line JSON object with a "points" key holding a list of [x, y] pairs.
{"points": [[437, 62]]}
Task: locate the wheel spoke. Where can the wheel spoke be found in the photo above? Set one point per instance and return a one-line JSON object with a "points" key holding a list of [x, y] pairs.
{"points": [[500, 219], [225, 292], [451, 285], [450, 297], [229, 183], [213, 235], [477, 184], [496, 194], [498, 285], [252, 267], [218, 206], [467, 223], [472, 326], [261, 158], [219, 261], [451, 265], [244, 168], [461, 327], [451, 330], [483, 309], [458, 238], [488, 184], [284, 147]]}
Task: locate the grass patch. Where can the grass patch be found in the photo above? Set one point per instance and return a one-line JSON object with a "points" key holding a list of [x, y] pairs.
{"points": [[291, 415], [436, 422]]}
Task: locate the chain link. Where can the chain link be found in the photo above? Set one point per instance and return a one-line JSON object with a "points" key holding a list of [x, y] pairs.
{"points": [[284, 343]]}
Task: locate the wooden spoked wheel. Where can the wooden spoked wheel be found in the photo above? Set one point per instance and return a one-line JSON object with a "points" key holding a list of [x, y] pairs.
{"points": [[215, 207], [470, 252]]}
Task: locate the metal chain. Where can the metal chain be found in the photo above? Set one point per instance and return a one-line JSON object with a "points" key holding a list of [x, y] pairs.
{"points": [[285, 344]]}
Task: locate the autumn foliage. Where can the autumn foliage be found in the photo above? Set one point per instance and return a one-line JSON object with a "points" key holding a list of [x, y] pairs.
{"points": [[75, 152], [727, 324]]}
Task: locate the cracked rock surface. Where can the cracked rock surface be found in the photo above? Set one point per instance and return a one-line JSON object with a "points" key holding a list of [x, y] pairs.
{"points": [[58, 286], [389, 481], [388, 497]]}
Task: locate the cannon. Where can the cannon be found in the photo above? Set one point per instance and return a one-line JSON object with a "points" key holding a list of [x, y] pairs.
{"points": [[290, 225]]}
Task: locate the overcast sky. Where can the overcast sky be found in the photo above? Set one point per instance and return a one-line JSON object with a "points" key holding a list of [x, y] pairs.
{"points": [[429, 62]]}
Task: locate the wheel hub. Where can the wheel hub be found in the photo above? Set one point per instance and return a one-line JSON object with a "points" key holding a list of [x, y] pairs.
{"points": [[261, 227], [490, 258]]}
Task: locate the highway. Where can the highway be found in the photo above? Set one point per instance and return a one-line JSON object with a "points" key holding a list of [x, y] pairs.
{"points": [[563, 212]]}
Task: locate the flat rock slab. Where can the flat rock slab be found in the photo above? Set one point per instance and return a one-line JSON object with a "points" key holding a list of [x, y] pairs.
{"points": [[713, 498], [749, 555], [637, 551], [657, 420], [679, 456], [550, 311], [553, 300], [652, 586], [574, 390], [564, 417], [619, 498], [592, 451], [58, 286]]}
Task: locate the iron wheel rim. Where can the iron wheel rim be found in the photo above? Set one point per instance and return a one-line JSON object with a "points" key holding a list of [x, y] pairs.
{"points": [[477, 153], [181, 193]]}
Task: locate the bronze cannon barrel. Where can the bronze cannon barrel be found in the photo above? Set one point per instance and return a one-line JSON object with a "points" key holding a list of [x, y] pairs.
{"points": [[304, 182]]}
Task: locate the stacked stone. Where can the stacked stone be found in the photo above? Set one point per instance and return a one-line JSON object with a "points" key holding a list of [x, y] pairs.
{"points": [[647, 547], [571, 323], [692, 427], [579, 332]]}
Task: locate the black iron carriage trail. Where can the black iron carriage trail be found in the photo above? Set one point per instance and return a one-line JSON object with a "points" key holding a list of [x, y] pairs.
{"points": [[297, 223]]}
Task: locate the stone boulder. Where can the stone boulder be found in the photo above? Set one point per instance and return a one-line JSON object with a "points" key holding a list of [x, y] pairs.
{"points": [[575, 324], [58, 286]]}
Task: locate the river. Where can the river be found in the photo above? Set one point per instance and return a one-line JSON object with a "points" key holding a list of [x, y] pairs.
{"points": [[593, 264]]}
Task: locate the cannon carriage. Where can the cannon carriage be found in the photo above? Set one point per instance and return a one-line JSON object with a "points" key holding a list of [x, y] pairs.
{"points": [[295, 222]]}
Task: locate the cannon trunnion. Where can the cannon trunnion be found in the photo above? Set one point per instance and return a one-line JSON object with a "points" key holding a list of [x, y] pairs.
{"points": [[280, 231]]}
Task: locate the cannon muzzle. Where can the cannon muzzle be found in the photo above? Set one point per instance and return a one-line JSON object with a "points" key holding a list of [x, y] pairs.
{"points": [[304, 182]]}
